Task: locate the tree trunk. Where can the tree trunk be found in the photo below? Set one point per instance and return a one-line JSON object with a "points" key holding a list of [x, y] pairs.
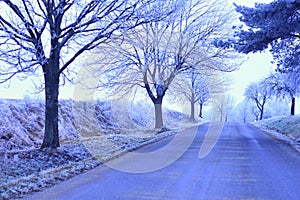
{"points": [[293, 106], [158, 116], [192, 117], [51, 137], [245, 116], [261, 113], [157, 101], [221, 116], [200, 110]]}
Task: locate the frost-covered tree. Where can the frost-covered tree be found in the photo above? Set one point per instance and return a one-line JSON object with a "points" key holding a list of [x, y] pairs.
{"points": [[230, 103], [204, 96], [286, 54], [284, 86], [255, 112], [191, 86], [247, 111], [259, 93], [274, 25], [268, 23], [242, 112], [154, 54], [49, 35], [220, 106], [225, 107]]}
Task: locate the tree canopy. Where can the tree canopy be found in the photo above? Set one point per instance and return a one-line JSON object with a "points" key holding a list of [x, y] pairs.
{"points": [[267, 24], [154, 54], [274, 26], [259, 93], [283, 85], [49, 35]]}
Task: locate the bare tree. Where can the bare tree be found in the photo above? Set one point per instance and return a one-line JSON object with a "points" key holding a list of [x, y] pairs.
{"points": [[190, 86], [259, 93], [203, 100], [230, 103], [242, 112], [256, 113], [284, 85], [49, 35], [224, 106], [152, 56], [196, 88], [247, 111]]}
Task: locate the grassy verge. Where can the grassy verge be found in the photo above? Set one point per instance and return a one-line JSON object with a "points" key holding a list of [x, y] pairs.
{"points": [[285, 128]]}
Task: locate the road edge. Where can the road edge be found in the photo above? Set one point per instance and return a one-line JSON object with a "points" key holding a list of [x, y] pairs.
{"points": [[278, 136], [92, 162]]}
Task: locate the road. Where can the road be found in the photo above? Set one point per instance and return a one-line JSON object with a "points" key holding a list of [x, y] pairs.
{"points": [[244, 164]]}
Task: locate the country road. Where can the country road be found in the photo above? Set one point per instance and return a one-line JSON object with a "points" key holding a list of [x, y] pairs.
{"points": [[245, 164]]}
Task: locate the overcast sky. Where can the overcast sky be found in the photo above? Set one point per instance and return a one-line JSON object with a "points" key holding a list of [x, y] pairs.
{"points": [[256, 66]]}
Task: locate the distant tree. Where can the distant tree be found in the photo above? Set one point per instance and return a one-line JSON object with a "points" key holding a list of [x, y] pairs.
{"points": [[247, 111], [230, 103], [259, 93], [274, 25], [283, 86], [50, 35], [204, 96], [193, 87], [242, 112], [153, 55], [255, 112], [220, 107], [225, 107]]}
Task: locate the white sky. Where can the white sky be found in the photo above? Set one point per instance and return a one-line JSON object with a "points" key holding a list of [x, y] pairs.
{"points": [[255, 68]]}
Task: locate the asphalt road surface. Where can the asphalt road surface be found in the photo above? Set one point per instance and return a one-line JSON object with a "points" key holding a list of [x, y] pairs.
{"points": [[244, 164]]}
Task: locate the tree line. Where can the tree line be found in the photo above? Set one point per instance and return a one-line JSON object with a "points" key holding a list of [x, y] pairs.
{"points": [[162, 39], [147, 44], [273, 26]]}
